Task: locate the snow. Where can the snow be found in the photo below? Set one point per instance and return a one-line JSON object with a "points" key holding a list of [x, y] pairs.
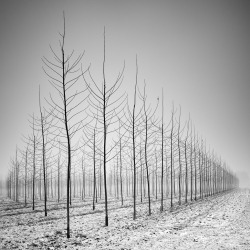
{"points": [[218, 222]]}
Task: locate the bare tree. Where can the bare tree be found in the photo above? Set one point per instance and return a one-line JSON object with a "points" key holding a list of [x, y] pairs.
{"points": [[149, 123], [133, 138], [63, 76], [25, 176], [16, 165], [186, 162], [179, 153], [191, 166], [120, 158], [45, 125], [162, 153], [172, 158], [101, 101]]}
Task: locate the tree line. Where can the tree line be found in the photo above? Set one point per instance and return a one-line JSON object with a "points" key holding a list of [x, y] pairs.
{"points": [[89, 141]]}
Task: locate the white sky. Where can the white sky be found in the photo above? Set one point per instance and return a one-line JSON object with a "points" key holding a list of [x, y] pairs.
{"points": [[197, 50]]}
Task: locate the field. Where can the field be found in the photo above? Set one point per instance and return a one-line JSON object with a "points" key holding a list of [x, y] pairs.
{"points": [[217, 222]]}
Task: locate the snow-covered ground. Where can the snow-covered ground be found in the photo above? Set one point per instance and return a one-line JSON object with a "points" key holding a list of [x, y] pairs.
{"points": [[218, 222]]}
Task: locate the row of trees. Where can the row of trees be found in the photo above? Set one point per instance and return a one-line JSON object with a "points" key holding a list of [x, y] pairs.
{"points": [[90, 137]]}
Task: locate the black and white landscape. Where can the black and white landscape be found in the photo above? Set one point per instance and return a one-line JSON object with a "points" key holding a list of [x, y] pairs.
{"points": [[124, 124]]}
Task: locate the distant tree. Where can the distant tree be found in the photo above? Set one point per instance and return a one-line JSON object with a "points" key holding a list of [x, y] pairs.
{"points": [[120, 160], [171, 157], [186, 162], [92, 142], [195, 166], [44, 125], [16, 164], [34, 142], [191, 164], [25, 176], [179, 154], [200, 168], [162, 152], [148, 132], [133, 138]]}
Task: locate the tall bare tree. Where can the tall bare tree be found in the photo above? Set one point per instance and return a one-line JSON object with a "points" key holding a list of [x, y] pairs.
{"points": [[101, 101], [63, 75]]}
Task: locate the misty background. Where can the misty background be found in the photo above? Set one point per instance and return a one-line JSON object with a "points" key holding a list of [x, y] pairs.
{"points": [[198, 51]]}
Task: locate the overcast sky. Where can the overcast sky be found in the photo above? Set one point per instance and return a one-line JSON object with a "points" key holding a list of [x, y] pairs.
{"points": [[198, 51]]}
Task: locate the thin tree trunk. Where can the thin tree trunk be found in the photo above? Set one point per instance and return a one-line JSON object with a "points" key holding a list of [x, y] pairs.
{"points": [[162, 165], [180, 165], [58, 180], [191, 168], [34, 171], [17, 186], [171, 168], [105, 139], [142, 177], [43, 158], [134, 161], [195, 172], [156, 176], [51, 181], [121, 171], [146, 163], [94, 174], [100, 179], [25, 181]]}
